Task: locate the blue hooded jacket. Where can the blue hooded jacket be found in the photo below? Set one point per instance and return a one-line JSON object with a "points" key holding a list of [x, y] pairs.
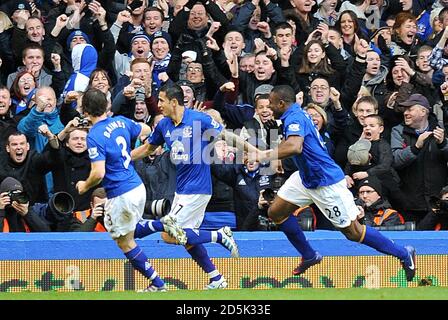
{"points": [[84, 61]]}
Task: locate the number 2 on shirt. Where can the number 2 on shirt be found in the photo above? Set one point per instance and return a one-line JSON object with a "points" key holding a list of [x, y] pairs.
{"points": [[124, 150]]}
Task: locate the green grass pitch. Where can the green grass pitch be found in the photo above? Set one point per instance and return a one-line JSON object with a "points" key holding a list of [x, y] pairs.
{"points": [[419, 293]]}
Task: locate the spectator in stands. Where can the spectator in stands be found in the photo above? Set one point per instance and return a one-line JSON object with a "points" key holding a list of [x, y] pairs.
{"points": [[160, 47], [256, 129], [420, 153], [140, 48], [141, 83], [302, 17], [247, 181], [23, 91], [349, 26], [33, 59], [8, 123], [25, 165], [34, 32], [371, 156], [247, 63], [375, 210], [70, 161], [44, 112], [327, 11], [375, 76], [249, 21], [153, 18], [404, 37], [6, 54], [361, 109]]}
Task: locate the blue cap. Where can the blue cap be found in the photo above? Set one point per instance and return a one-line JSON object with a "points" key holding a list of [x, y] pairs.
{"points": [[140, 35], [161, 34], [77, 33]]}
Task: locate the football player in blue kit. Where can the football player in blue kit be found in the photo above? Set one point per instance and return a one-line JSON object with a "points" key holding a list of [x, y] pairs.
{"points": [[108, 143], [188, 134], [319, 180]]}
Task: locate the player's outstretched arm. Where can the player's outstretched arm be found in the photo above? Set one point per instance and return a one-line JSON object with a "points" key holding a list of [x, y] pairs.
{"points": [[146, 130], [143, 151], [291, 146], [97, 172], [238, 142]]}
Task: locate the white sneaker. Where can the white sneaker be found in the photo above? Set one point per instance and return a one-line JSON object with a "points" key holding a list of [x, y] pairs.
{"points": [[174, 230], [229, 242], [217, 284], [153, 288]]}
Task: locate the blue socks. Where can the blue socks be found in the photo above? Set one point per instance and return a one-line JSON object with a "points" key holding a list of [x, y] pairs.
{"points": [[295, 235], [374, 239], [146, 227], [140, 262], [200, 256], [196, 237]]}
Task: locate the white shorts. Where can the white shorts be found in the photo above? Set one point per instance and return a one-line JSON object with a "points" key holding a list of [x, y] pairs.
{"points": [[335, 201], [125, 211], [189, 209]]}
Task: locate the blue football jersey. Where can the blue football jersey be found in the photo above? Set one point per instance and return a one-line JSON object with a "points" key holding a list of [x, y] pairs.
{"points": [[110, 140], [316, 167], [189, 144]]}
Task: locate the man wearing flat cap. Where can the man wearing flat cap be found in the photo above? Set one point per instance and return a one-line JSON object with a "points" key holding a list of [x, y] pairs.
{"points": [[420, 152]]}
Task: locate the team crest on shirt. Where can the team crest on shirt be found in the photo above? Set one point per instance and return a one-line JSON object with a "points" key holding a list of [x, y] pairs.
{"points": [[178, 152], [215, 124], [294, 127], [93, 153], [187, 132]]}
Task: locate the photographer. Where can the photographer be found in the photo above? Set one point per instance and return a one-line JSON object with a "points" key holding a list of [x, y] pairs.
{"points": [[375, 211], [15, 213], [92, 219], [437, 217], [57, 213]]}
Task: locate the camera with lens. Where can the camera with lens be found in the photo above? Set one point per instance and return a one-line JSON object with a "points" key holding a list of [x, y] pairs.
{"points": [[360, 202], [18, 196], [83, 122], [269, 193], [159, 208], [439, 204]]}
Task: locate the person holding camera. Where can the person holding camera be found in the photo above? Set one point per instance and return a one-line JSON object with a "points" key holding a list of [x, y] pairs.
{"points": [[376, 211], [92, 219], [70, 161], [437, 217], [16, 214], [321, 181]]}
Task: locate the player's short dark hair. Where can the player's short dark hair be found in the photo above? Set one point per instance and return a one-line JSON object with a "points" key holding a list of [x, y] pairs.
{"points": [[94, 102], [173, 91], [285, 93]]}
